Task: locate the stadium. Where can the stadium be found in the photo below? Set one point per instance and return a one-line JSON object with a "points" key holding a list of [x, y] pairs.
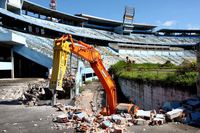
{"points": [[28, 30], [29, 40]]}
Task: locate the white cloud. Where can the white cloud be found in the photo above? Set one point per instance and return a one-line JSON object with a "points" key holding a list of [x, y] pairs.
{"points": [[169, 23]]}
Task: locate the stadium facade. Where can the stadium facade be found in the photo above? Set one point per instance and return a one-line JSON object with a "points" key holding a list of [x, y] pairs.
{"points": [[27, 31]]}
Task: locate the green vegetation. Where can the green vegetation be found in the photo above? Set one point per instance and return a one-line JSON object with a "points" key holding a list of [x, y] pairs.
{"points": [[88, 82], [164, 74]]}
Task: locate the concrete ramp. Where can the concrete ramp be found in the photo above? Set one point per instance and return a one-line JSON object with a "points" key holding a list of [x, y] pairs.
{"points": [[33, 56]]}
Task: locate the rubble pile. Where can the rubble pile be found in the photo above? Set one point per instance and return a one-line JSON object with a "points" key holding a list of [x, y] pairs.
{"points": [[79, 119], [36, 92], [83, 120], [187, 111]]}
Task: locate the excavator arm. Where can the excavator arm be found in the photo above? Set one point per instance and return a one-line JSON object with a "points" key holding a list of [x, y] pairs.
{"points": [[62, 48]]}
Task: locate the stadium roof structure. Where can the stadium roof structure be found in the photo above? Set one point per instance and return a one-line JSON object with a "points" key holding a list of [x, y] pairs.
{"points": [[29, 6], [179, 31], [115, 22]]}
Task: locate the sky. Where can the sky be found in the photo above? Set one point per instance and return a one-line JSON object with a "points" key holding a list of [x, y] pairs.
{"points": [[174, 14]]}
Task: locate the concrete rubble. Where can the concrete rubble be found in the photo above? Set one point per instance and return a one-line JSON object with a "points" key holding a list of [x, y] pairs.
{"points": [[77, 118], [35, 92], [174, 113], [84, 121], [159, 119]]}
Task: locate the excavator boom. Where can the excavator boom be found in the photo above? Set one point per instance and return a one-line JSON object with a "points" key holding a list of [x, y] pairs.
{"points": [[62, 47], [61, 50]]}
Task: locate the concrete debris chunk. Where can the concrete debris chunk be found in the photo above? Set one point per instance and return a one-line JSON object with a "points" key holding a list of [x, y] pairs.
{"points": [[142, 113], [83, 128], [174, 113], [130, 124], [35, 125], [106, 124], [118, 119], [140, 121], [14, 124], [127, 116], [118, 129], [60, 107], [159, 119], [69, 107], [35, 92], [80, 115], [62, 118]]}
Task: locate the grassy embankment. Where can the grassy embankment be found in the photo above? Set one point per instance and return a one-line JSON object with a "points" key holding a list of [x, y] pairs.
{"points": [[164, 74]]}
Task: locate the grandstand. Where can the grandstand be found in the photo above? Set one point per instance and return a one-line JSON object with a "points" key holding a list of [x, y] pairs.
{"points": [[26, 45]]}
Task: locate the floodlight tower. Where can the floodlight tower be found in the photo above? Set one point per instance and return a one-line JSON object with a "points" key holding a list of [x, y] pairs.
{"points": [[129, 14], [128, 18], [53, 4]]}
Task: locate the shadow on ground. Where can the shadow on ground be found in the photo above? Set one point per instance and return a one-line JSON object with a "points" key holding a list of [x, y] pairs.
{"points": [[10, 102]]}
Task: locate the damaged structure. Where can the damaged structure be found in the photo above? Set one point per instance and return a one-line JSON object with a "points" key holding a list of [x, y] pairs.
{"points": [[26, 46], [27, 33]]}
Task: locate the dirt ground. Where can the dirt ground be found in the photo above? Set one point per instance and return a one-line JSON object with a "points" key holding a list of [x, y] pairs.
{"points": [[17, 118]]}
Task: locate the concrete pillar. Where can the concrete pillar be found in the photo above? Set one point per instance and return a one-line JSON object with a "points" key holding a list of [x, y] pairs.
{"points": [[77, 78], [70, 64], [72, 93], [12, 61]]}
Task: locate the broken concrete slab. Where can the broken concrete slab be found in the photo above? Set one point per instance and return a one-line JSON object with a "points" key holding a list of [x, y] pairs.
{"points": [[174, 113], [159, 119], [142, 113], [80, 115], [118, 119], [118, 129], [106, 124], [63, 118], [140, 121]]}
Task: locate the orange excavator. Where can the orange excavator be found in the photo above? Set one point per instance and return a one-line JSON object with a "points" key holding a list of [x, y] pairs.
{"points": [[66, 44]]}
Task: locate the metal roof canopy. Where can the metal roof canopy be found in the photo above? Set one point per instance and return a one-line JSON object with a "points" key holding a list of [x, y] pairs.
{"points": [[114, 22], [32, 7], [178, 31]]}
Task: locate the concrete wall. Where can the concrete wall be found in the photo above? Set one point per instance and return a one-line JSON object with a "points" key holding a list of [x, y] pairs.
{"points": [[152, 97]]}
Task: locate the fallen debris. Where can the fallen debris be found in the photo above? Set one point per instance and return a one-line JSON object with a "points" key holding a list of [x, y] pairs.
{"points": [[82, 121], [62, 118], [35, 125], [118, 119], [174, 113], [4, 131], [140, 121], [83, 116], [35, 92], [159, 119], [142, 113], [106, 124]]}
